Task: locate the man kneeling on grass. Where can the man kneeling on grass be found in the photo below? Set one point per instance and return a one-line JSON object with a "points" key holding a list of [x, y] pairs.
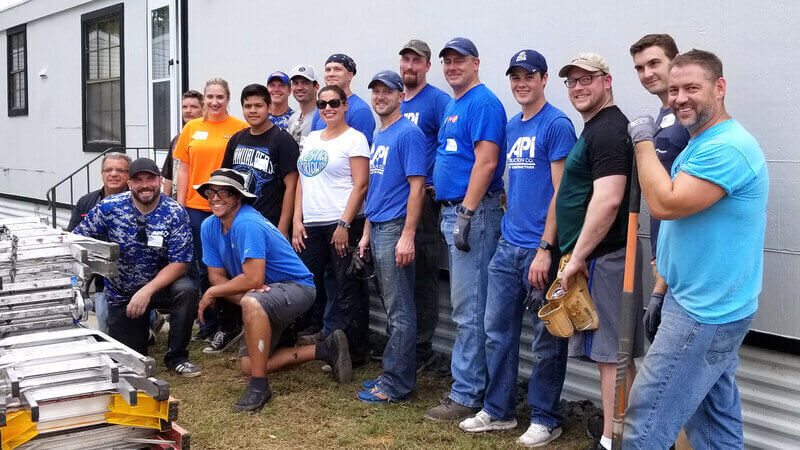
{"points": [[251, 264]]}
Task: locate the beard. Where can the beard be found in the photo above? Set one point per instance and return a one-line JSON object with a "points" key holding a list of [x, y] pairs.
{"points": [[410, 81], [139, 199], [700, 119]]}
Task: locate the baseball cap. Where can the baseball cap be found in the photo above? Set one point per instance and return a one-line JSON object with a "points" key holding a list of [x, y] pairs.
{"points": [[530, 60], [144, 165], [418, 47], [462, 45], [586, 61], [390, 78], [226, 177], [344, 60], [303, 70], [279, 75]]}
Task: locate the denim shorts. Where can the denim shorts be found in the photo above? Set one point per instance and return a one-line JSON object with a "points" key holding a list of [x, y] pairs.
{"points": [[283, 303]]}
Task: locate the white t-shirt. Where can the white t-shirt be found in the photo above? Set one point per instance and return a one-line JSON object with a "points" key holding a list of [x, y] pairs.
{"points": [[325, 175]]}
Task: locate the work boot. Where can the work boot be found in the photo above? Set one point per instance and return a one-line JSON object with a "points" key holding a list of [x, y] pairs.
{"points": [[450, 411], [253, 399], [334, 351]]}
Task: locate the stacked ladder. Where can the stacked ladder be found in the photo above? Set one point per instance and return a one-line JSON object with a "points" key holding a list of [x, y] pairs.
{"points": [[63, 385]]}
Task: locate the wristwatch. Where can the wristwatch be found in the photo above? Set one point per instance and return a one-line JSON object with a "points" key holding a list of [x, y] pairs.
{"points": [[465, 211], [344, 224], [544, 245]]}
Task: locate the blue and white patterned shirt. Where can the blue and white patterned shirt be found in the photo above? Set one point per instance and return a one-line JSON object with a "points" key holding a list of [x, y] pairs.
{"points": [[168, 240], [282, 121]]}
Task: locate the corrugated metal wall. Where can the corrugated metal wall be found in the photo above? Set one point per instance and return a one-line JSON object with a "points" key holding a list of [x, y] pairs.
{"points": [[769, 382], [15, 208]]}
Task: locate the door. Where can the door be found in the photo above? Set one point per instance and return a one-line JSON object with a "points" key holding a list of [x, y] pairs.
{"points": [[163, 74]]}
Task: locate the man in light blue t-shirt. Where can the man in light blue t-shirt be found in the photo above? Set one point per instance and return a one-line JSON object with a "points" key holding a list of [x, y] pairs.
{"points": [[424, 104], [710, 252], [393, 207], [468, 179], [538, 140]]}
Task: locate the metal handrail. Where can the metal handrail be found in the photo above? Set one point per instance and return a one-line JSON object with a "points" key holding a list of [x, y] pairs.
{"points": [[51, 193]]}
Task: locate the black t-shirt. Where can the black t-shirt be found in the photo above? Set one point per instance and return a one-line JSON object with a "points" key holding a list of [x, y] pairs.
{"points": [[267, 158], [603, 149], [166, 169]]}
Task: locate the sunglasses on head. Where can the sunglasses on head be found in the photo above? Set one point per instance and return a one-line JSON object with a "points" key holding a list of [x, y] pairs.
{"points": [[141, 231], [222, 193], [335, 103]]}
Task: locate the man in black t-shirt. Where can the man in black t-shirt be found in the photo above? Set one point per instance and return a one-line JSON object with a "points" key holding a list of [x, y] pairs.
{"points": [[592, 218], [191, 108], [268, 155]]}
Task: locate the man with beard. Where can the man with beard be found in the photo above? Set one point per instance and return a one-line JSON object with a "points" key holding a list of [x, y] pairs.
{"points": [[424, 105], [155, 243], [279, 110]]}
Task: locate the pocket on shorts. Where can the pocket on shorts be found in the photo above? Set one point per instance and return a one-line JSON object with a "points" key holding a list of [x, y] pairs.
{"points": [[727, 339]]}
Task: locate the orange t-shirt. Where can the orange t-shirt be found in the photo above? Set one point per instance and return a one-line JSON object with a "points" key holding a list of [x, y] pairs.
{"points": [[202, 146]]}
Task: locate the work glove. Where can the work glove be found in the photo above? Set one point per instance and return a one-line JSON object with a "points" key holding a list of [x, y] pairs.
{"points": [[461, 232], [642, 129], [534, 300], [652, 316]]}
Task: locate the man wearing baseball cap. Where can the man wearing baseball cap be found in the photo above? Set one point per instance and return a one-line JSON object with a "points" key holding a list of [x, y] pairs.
{"points": [[340, 70], [538, 140], [155, 242], [304, 90], [251, 264], [393, 207], [279, 110], [468, 182], [424, 105], [592, 218]]}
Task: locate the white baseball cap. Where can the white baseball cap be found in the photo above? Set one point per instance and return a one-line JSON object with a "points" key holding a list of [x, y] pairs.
{"points": [[303, 70]]}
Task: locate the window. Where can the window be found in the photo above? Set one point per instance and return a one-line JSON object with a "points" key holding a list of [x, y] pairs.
{"points": [[103, 79], [17, 71]]}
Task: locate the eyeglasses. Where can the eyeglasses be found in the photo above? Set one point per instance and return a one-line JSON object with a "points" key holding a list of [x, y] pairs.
{"points": [[111, 169], [584, 80], [222, 193], [141, 232], [335, 103], [458, 60]]}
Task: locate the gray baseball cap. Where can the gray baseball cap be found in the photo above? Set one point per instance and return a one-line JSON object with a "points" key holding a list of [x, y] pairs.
{"points": [[418, 47]]}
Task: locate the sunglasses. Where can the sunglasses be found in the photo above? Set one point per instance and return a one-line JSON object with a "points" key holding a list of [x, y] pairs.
{"points": [[222, 193], [335, 103], [141, 231]]}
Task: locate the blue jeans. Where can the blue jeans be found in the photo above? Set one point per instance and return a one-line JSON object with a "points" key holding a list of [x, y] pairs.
{"points": [[508, 286], [101, 311], [687, 380], [468, 283], [397, 285]]}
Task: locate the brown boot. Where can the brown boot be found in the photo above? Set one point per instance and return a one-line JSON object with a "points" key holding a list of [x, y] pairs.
{"points": [[450, 411]]}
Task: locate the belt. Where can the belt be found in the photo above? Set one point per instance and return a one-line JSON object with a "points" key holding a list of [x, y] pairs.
{"points": [[491, 194]]}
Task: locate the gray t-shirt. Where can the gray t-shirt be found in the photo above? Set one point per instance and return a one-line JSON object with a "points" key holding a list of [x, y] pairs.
{"points": [[299, 126]]}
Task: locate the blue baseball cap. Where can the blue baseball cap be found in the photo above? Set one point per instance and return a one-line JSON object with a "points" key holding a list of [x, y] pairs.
{"points": [[390, 78], [279, 75], [461, 45], [530, 60]]}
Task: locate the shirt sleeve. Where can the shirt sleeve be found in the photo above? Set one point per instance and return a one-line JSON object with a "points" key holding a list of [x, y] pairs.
{"points": [[413, 151], [611, 152], [251, 241], [360, 146], [560, 139], [181, 151], [316, 122], [166, 169], [288, 152], [211, 256], [721, 164], [488, 124], [94, 224], [363, 121], [179, 248]]}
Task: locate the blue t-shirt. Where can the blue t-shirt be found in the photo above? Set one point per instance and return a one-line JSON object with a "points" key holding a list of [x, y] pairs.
{"points": [[477, 116], [397, 153], [282, 121], [713, 260], [169, 240], [252, 236], [426, 110], [670, 140], [530, 147], [358, 116]]}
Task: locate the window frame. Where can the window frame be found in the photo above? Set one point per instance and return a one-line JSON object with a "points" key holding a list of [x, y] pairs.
{"points": [[118, 10], [19, 29]]}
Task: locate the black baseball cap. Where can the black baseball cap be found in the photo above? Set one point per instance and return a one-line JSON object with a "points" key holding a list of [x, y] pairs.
{"points": [[144, 165]]}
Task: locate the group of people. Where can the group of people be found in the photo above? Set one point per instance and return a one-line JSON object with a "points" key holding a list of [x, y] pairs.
{"points": [[277, 219]]}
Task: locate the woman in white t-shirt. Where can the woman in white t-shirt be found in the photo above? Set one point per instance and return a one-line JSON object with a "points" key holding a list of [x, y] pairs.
{"points": [[329, 211]]}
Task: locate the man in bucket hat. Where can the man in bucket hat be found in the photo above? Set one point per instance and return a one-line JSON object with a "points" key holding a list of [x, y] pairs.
{"points": [[251, 264]]}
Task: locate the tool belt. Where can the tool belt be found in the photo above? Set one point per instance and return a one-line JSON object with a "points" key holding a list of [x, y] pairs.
{"points": [[567, 312]]}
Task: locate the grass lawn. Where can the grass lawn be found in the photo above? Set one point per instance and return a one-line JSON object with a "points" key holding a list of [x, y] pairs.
{"points": [[309, 410]]}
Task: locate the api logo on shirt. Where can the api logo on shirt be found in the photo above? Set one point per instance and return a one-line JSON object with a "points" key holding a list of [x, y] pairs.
{"points": [[521, 154], [412, 116], [377, 161], [312, 162]]}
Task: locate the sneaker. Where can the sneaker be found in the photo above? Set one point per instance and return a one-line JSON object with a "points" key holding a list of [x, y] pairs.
{"points": [[450, 411], [203, 336], [369, 384], [253, 400], [158, 323], [426, 363], [594, 427], [223, 341], [538, 435], [187, 369], [374, 395], [326, 368], [151, 338], [482, 421], [310, 339], [339, 357]]}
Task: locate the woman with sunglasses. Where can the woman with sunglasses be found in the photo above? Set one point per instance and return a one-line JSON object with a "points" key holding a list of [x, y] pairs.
{"points": [[200, 149], [329, 214]]}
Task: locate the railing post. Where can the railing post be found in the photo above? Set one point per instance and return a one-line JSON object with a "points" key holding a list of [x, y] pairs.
{"points": [[53, 206]]}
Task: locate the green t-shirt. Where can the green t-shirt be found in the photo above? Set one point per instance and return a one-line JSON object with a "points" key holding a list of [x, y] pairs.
{"points": [[603, 149]]}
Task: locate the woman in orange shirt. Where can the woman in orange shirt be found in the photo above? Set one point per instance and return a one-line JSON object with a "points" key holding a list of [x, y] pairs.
{"points": [[200, 149]]}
